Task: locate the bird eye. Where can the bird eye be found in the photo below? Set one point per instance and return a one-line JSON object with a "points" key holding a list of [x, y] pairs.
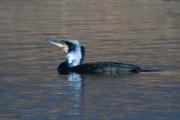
{"points": [[63, 43]]}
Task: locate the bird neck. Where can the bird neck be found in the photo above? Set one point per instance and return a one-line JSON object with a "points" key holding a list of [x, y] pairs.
{"points": [[75, 57]]}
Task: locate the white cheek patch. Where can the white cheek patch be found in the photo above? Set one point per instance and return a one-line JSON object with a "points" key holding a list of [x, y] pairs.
{"points": [[66, 50]]}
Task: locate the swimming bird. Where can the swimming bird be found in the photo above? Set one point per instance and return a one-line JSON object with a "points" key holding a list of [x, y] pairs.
{"points": [[75, 54]]}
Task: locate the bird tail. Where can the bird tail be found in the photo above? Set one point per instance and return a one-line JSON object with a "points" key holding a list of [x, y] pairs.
{"points": [[150, 70]]}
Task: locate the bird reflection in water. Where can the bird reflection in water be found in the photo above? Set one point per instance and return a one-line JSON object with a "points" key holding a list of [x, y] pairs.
{"points": [[75, 93]]}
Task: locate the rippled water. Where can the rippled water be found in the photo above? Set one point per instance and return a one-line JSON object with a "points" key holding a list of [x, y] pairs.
{"points": [[142, 32]]}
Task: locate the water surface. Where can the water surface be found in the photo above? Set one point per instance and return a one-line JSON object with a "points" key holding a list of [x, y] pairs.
{"points": [[142, 32]]}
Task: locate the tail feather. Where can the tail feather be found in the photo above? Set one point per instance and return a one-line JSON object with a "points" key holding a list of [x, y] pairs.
{"points": [[146, 70]]}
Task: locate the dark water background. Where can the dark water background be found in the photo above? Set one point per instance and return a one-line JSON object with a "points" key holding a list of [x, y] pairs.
{"points": [[142, 32]]}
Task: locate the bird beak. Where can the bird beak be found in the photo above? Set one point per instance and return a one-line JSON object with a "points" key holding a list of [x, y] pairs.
{"points": [[55, 42], [60, 44]]}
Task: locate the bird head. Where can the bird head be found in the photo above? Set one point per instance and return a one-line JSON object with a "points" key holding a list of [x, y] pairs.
{"points": [[74, 50], [65, 45]]}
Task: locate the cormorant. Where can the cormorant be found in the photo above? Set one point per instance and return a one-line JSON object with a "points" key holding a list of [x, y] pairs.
{"points": [[75, 54]]}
